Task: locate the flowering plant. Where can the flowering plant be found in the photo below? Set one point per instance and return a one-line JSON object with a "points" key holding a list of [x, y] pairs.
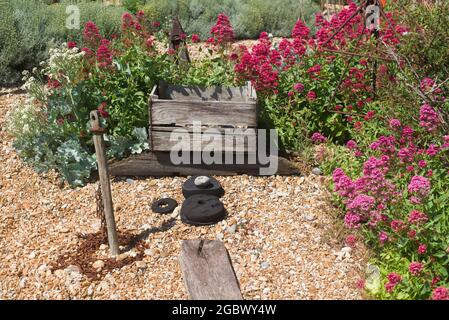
{"points": [[304, 84], [391, 181]]}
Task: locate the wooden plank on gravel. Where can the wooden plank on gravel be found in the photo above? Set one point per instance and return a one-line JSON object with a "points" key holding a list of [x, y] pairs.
{"points": [[158, 164], [207, 271]]}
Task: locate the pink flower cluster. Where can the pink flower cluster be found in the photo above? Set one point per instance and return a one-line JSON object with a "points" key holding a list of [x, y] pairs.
{"points": [[222, 31], [104, 55], [300, 30], [395, 124], [416, 268], [429, 118], [318, 138], [419, 187], [195, 38], [422, 249], [99, 50], [366, 197], [102, 110], [393, 280], [129, 24], [259, 65], [440, 293], [417, 217], [91, 34], [351, 240]]}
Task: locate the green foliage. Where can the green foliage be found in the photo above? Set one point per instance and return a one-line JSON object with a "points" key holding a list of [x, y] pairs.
{"points": [[249, 18], [127, 90], [428, 36], [132, 5]]}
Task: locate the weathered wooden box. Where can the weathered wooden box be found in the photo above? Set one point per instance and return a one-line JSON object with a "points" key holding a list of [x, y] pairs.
{"points": [[223, 119], [228, 117]]}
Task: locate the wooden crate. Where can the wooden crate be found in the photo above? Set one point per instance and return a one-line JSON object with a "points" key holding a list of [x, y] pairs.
{"points": [[174, 107], [220, 111]]}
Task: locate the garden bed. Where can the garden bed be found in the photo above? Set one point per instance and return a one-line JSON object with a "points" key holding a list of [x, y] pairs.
{"points": [[279, 234]]}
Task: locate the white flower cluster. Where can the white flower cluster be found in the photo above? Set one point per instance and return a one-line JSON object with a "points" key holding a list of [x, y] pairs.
{"points": [[23, 118], [63, 61]]}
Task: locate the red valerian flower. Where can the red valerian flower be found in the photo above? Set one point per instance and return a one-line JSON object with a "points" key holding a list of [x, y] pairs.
{"points": [[233, 56], [440, 293], [127, 21], [300, 30], [318, 138], [383, 237], [369, 115], [91, 34], [315, 69], [195, 38], [60, 120], [222, 31], [53, 84], [156, 24], [397, 225], [417, 217], [393, 281], [351, 240], [415, 268], [149, 42], [351, 145], [87, 51], [71, 44], [311, 95], [422, 249], [429, 118], [104, 55], [299, 87], [140, 15]]}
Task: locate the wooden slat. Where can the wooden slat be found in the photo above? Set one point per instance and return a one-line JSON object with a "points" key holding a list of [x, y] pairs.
{"points": [[166, 140], [207, 271], [212, 113], [158, 164], [198, 93]]}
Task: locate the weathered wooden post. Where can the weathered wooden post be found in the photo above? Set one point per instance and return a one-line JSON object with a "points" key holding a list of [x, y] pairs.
{"points": [[103, 173]]}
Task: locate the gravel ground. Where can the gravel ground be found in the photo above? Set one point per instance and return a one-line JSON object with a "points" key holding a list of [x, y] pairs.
{"points": [[281, 235]]}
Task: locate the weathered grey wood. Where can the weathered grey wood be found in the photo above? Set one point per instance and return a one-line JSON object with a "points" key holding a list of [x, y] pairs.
{"points": [[158, 164], [200, 93], [103, 173], [166, 140], [207, 271], [211, 113]]}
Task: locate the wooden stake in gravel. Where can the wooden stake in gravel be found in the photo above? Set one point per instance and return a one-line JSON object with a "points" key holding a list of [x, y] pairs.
{"points": [[103, 173]]}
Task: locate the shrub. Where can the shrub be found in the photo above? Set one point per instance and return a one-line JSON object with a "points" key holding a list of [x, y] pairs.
{"points": [[249, 18], [427, 36], [306, 89], [30, 28]]}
